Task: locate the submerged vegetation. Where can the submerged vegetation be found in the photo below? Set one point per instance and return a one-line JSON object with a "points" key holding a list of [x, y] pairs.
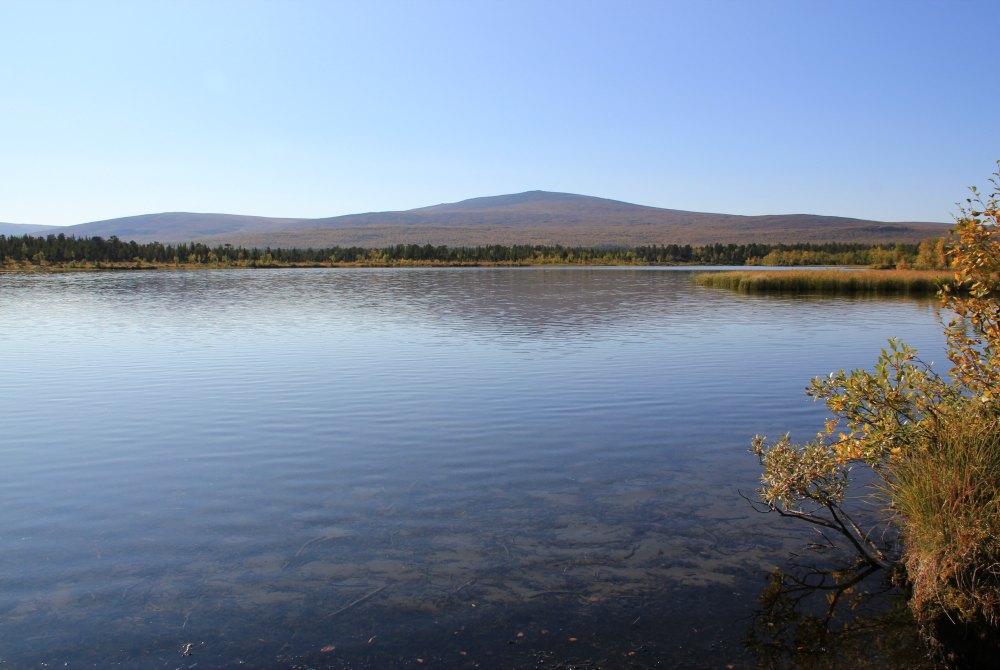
{"points": [[54, 252], [932, 444], [830, 282]]}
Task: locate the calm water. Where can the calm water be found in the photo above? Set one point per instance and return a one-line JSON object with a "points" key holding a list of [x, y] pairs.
{"points": [[400, 468]]}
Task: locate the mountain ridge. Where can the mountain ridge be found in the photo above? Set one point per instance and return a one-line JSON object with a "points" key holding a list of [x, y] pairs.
{"points": [[530, 217]]}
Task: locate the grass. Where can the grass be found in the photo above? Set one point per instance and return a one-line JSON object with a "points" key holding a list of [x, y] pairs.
{"points": [[829, 282], [946, 493]]}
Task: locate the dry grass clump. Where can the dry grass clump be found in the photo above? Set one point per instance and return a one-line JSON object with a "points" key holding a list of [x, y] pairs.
{"points": [[946, 493], [829, 282]]}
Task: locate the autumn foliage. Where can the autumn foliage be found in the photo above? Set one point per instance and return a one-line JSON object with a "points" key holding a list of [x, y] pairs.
{"points": [[931, 439]]}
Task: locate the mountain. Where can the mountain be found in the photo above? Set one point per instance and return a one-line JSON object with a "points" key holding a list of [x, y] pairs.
{"points": [[534, 217], [179, 226], [542, 217], [18, 229]]}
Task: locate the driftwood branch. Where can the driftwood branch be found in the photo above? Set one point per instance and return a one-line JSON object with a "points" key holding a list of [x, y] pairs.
{"points": [[368, 596]]}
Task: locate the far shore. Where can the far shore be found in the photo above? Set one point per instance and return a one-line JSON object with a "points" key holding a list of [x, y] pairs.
{"points": [[28, 268]]}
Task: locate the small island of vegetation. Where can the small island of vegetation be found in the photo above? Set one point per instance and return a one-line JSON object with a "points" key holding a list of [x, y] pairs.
{"points": [[915, 283], [917, 271]]}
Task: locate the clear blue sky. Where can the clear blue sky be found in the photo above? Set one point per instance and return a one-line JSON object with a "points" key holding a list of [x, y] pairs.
{"points": [[876, 109]]}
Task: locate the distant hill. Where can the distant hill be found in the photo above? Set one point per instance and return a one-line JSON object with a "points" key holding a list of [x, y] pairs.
{"points": [[541, 217], [534, 217], [179, 226], [19, 229]]}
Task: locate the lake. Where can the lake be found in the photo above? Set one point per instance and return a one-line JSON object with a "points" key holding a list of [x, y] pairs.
{"points": [[418, 468]]}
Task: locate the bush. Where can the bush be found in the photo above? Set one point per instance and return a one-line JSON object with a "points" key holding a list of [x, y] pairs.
{"points": [[932, 441]]}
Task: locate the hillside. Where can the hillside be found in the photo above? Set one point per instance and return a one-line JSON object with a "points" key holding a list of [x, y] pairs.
{"points": [[179, 226], [19, 229], [540, 217], [534, 217]]}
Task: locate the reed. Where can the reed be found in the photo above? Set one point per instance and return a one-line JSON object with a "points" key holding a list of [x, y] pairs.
{"points": [[829, 282]]}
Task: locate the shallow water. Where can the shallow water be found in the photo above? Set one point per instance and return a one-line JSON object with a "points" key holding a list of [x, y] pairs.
{"points": [[401, 468]]}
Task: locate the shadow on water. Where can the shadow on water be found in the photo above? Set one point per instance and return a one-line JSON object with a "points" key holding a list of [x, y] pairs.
{"points": [[841, 614]]}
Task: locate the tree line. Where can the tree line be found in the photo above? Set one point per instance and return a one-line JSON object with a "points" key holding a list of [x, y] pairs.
{"points": [[68, 250]]}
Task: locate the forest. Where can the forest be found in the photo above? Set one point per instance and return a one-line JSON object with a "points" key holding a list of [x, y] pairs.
{"points": [[61, 251]]}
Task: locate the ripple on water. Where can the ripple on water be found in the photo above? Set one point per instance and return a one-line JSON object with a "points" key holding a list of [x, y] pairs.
{"points": [[240, 455]]}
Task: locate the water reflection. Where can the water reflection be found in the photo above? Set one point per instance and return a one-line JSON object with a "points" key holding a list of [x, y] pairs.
{"points": [[835, 615], [527, 303], [398, 464]]}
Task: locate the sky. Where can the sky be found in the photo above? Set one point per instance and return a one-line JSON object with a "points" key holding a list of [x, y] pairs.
{"points": [[886, 110]]}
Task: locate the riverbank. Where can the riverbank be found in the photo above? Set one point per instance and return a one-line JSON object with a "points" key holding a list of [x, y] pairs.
{"points": [[915, 283]]}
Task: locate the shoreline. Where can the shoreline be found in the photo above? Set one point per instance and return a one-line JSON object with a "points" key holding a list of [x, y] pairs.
{"points": [[31, 268]]}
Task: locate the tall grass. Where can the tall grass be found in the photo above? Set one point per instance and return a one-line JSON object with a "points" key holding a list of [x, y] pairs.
{"points": [[829, 282], [946, 493]]}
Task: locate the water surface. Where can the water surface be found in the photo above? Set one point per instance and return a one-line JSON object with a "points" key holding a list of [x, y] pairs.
{"points": [[400, 468]]}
